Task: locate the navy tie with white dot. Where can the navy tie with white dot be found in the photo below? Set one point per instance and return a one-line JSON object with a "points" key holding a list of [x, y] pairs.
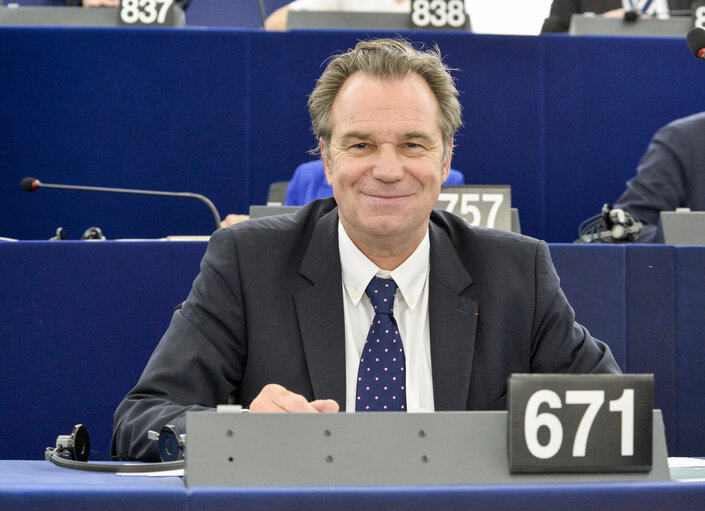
{"points": [[381, 378]]}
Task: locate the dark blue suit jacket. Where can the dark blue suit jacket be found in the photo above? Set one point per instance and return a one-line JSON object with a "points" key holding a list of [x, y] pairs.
{"points": [[267, 307]]}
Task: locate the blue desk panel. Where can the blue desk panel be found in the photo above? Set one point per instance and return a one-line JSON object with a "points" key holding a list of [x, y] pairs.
{"points": [[651, 296], [690, 345], [79, 322], [80, 319]]}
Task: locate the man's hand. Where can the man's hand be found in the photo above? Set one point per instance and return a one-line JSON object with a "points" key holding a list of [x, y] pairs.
{"points": [[233, 219], [619, 13], [275, 398]]}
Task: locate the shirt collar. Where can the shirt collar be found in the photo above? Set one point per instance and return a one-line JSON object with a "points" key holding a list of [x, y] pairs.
{"points": [[358, 270]]}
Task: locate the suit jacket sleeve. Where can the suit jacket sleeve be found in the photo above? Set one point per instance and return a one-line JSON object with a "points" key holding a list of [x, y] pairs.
{"points": [[559, 343], [199, 361]]}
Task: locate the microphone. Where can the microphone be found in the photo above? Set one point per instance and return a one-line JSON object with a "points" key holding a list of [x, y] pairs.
{"points": [[696, 42], [30, 184]]}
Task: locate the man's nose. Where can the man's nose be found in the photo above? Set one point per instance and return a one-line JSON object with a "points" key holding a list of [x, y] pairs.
{"points": [[389, 165]]}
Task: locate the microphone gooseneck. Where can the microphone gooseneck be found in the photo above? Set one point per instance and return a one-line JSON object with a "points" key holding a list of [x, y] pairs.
{"points": [[30, 184], [262, 11]]}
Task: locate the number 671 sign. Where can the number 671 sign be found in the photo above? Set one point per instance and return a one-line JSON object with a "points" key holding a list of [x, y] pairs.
{"points": [[580, 423]]}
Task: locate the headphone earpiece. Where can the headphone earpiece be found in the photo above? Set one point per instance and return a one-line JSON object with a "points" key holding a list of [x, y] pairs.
{"points": [[77, 445]]}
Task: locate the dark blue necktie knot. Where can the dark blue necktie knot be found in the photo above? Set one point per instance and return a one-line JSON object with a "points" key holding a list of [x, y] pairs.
{"points": [[381, 293]]}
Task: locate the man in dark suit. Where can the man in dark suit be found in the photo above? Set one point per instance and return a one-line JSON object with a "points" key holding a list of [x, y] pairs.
{"points": [[561, 10], [285, 313], [670, 175]]}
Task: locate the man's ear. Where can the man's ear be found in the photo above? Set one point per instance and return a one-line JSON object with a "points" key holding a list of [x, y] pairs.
{"points": [[445, 169], [326, 161]]}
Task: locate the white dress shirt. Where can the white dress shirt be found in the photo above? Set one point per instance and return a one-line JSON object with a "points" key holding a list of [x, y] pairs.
{"points": [[410, 313]]}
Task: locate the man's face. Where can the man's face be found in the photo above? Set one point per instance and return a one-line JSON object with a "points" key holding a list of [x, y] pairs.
{"points": [[385, 160]]}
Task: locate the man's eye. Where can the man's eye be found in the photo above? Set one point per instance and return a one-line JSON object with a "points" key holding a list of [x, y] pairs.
{"points": [[361, 145]]}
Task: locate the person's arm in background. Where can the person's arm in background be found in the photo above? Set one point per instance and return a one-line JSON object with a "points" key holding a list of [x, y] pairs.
{"points": [[116, 3], [277, 20], [101, 3], [660, 183], [559, 18]]}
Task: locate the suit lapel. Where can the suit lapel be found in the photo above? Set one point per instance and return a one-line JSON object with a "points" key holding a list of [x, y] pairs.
{"points": [[319, 308], [453, 323]]}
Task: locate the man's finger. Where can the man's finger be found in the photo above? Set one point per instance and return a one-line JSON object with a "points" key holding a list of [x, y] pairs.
{"points": [[275, 398], [325, 405]]}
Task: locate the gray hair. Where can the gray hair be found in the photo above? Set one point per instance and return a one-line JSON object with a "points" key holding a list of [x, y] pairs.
{"points": [[386, 59]]}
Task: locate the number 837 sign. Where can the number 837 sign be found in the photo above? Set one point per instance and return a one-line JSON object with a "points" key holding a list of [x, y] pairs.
{"points": [[580, 423], [145, 12]]}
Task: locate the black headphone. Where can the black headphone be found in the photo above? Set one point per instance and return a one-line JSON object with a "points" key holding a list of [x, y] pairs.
{"points": [[72, 451], [611, 225]]}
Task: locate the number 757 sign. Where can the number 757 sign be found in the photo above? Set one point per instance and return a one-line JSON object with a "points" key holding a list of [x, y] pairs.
{"points": [[480, 205]]}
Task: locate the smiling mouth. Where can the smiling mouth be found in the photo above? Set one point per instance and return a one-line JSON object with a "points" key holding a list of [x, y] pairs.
{"points": [[387, 197]]}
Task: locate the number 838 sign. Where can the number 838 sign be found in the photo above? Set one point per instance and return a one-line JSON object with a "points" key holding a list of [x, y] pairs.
{"points": [[439, 14], [580, 423]]}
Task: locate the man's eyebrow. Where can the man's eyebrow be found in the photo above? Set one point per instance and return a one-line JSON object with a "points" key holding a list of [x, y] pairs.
{"points": [[418, 135], [354, 135]]}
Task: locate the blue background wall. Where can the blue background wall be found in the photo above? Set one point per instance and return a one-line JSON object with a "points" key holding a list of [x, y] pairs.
{"points": [[223, 112]]}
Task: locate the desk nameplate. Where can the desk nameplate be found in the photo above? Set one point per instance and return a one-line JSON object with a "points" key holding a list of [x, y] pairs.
{"points": [[580, 422], [233, 449]]}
